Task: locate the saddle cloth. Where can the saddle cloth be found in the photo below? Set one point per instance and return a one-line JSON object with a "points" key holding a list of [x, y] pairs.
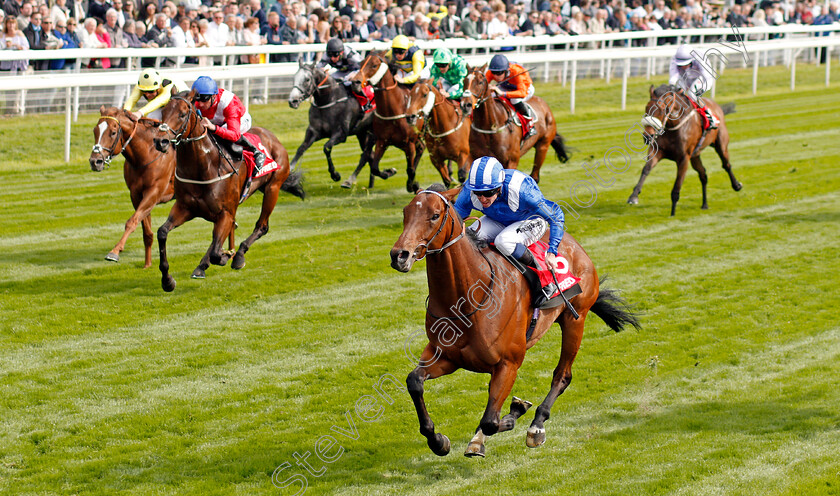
{"points": [[248, 157], [567, 282]]}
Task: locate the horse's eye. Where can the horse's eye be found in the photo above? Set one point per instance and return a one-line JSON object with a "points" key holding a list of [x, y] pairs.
{"points": [[435, 217], [183, 114]]}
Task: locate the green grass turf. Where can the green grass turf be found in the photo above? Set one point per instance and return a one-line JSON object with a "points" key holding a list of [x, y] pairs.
{"points": [[109, 386]]}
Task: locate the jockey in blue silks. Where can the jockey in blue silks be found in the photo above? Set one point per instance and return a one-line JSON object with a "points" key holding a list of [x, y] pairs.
{"points": [[516, 214]]}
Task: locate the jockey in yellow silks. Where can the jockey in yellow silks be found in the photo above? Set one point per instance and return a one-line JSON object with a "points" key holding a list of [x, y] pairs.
{"points": [[408, 58], [156, 90]]}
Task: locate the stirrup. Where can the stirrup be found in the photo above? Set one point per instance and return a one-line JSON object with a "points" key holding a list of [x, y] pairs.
{"points": [[245, 190]]}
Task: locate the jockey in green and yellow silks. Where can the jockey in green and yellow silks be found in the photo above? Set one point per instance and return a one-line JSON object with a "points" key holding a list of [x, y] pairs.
{"points": [[408, 58]]}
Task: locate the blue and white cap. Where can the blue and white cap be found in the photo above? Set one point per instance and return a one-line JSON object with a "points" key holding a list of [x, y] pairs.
{"points": [[486, 173]]}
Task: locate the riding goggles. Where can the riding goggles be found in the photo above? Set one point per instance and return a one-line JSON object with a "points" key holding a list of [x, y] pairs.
{"points": [[488, 193], [203, 98], [442, 65], [498, 73], [398, 51], [333, 54]]}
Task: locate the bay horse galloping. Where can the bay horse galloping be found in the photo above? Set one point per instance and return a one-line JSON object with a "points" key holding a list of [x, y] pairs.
{"points": [[495, 131], [148, 173], [209, 184], [674, 130], [478, 312], [389, 126], [333, 114], [446, 131]]}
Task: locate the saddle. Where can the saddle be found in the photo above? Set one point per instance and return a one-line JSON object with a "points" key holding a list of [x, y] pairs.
{"points": [[545, 292], [524, 122]]}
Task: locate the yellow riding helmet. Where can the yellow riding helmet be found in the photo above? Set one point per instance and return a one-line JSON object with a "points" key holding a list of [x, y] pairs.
{"points": [[401, 42], [149, 80]]}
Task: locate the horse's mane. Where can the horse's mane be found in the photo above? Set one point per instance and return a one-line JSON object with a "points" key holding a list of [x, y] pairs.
{"points": [[481, 244], [664, 89]]}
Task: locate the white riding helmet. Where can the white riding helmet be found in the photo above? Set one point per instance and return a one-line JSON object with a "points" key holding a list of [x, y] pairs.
{"points": [[683, 56]]}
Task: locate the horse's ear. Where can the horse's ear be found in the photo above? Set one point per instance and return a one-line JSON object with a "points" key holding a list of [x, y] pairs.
{"points": [[191, 96], [452, 194], [469, 68], [174, 90], [651, 90], [483, 68], [301, 62], [102, 110]]}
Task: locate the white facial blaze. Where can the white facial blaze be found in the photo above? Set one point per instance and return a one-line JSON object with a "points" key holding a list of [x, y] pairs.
{"points": [[430, 102], [103, 127], [374, 80]]}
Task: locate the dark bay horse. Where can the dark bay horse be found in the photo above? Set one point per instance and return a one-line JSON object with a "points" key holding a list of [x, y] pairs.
{"points": [[389, 126], [676, 129], [333, 114], [148, 173], [446, 131], [209, 185], [495, 129], [478, 311]]}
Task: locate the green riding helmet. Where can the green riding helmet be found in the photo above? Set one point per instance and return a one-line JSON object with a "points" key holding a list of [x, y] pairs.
{"points": [[443, 56]]}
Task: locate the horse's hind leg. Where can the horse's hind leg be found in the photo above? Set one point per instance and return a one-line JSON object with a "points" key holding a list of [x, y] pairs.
{"points": [[142, 207], [148, 239], [269, 201], [649, 165], [541, 150], [722, 149], [572, 335], [501, 382], [308, 139], [431, 366], [697, 164], [177, 216]]}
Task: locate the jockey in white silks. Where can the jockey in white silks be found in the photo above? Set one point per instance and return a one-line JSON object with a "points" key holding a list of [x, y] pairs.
{"points": [[692, 74]]}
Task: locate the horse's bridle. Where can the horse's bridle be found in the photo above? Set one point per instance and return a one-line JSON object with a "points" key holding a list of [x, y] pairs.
{"points": [[314, 87], [478, 102], [426, 114], [446, 216], [97, 148], [176, 136]]}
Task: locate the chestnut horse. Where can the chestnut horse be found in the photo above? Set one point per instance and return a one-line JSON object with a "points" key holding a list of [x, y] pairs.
{"points": [[148, 173], [389, 125], [485, 331], [446, 132], [209, 185], [675, 129], [496, 131]]}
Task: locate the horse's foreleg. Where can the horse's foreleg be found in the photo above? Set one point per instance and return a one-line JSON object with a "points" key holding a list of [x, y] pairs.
{"points": [[413, 153], [335, 139], [270, 194], [540, 152], [697, 164], [443, 167], [309, 138], [148, 239], [501, 382], [439, 366], [722, 149], [572, 336], [221, 233], [177, 216], [379, 151], [142, 208], [649, 165], [682, 168]]}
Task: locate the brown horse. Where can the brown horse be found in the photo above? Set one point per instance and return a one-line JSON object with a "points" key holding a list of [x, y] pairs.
{"points": [[446, 132], [209, 184], [389, 125], [485, 331], [496, 131], [676, 129], [148, 173]]}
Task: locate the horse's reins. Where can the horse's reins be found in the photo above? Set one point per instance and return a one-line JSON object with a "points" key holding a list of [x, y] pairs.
{"points": [[478, 103], [317, 86], [449, 243], [435, 104], [178, 140]]}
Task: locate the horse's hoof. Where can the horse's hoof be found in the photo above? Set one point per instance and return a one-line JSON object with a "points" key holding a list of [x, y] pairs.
{"points": [[238, 261], [167, 283], [633, 201], [112, 257], [335, 177], [536, 437], [474, 449], [347, 184], [439, 445], [520, 406], [704, 207], [737, 186], [388, 173], [198, 274]]}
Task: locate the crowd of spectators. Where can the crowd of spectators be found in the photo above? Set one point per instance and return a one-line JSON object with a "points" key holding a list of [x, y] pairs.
{"points": [[35, 24]]}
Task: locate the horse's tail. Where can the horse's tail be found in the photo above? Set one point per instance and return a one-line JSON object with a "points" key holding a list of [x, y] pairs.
{"points": [[559, 145], [294, 184], [614, 310], [728, 108]]}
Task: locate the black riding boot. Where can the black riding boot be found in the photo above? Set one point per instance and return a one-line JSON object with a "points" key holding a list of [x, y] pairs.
{"points": [[525, 109], [528, 259], [259, 156]]}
